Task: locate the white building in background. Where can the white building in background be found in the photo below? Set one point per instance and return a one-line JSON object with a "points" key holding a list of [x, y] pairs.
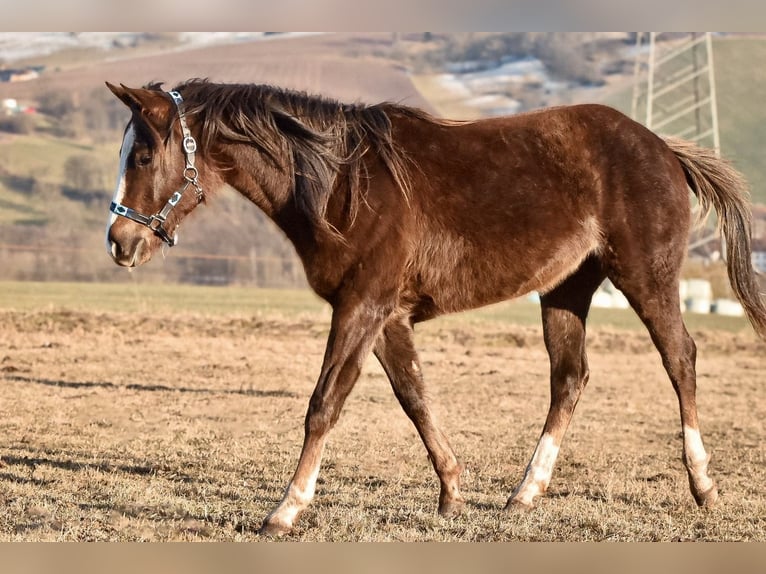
{"points": [[759, 260], [9, 106]]}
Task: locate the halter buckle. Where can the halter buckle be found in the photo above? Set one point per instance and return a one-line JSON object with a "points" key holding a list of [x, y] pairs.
{"points": [[190, 144], [155, 223]]}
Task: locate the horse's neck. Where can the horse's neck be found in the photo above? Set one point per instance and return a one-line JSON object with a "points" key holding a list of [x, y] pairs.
{"points": [[269, 187], [258, 181]]}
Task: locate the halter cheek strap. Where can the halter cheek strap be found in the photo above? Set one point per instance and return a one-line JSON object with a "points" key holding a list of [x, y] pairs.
{"points": [[156, 222]]}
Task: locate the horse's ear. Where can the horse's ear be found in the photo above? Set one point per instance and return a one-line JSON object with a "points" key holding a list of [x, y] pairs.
{"points": [[152, 105], [121, 94]]}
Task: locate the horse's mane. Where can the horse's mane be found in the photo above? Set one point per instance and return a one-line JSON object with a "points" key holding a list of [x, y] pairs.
{"points": [[314, 139]]}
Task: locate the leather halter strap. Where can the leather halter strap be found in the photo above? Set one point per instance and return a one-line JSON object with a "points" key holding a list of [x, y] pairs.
{"points": [[156, 222]]}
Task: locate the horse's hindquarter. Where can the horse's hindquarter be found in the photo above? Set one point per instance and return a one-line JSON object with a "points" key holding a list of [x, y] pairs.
{"points": [[510, 205]]}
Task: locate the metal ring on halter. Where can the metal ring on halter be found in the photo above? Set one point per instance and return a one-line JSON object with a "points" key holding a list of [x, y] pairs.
{"points": [[190, 169]]}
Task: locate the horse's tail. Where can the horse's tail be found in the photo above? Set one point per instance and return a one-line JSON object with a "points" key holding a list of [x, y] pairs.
{"points": [[719, 186]]}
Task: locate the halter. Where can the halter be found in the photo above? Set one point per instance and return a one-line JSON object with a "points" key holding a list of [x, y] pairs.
{"points": [[155, 222]]}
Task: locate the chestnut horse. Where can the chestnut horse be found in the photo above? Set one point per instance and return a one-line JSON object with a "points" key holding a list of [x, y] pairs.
{"points": [[399, 217]]}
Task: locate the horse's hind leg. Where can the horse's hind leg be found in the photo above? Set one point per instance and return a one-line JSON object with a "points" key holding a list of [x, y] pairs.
{"points": [[657, 303], [396, 353], [564, 311]]}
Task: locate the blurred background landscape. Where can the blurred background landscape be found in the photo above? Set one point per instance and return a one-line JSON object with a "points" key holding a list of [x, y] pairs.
{"points": [[60, 128]]}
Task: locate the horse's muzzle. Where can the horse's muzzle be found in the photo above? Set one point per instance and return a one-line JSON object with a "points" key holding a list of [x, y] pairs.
{"points": [[129, 252]]}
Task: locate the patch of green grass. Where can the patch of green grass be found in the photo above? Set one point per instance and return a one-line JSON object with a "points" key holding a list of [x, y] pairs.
{"points": [[44, 157], [237, 300], [740, 78], [155, 297], [35, 168], [525, 312], [19, 208]]}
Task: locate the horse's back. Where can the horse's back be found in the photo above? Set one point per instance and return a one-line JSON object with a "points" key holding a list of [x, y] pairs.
{"points": [[506, 206]]}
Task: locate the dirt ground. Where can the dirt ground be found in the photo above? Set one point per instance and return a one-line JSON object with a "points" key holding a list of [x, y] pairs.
{"points": [[180, 427]]}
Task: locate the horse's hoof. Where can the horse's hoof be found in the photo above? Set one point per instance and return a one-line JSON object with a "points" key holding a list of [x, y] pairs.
{"points": [[708, 498], [516, 506], [274, 529], [451, 508]]}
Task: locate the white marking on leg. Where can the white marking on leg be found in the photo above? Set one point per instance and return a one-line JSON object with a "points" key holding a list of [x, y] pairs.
{"points": [[295, 500], [696, 459], [539, 471], [693, 447], [127, 146]]}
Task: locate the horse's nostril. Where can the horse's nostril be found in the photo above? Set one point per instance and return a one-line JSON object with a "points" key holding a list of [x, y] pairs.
{"points": [[128, 253]]}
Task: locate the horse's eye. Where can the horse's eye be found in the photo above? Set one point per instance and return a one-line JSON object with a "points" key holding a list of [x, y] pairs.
{"points": [[144, 159]]}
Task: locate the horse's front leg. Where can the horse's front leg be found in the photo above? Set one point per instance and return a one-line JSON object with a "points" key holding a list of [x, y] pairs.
{"points": [[353, 332]]}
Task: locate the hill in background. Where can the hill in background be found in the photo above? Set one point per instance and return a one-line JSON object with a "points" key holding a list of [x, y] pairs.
{"points": [[57, 176], [57, 170]]}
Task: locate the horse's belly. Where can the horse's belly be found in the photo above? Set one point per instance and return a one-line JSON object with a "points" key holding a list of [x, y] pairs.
{"points": [[455, 274]]}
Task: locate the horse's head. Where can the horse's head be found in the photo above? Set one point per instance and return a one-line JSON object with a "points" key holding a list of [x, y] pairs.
{"points": [[160, 176]]}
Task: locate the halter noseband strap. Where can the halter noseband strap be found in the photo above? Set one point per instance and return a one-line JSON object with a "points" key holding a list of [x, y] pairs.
{"points": [[155, 222]]}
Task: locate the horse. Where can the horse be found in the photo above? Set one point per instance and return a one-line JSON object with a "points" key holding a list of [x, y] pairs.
{"points": [[399, 217]]}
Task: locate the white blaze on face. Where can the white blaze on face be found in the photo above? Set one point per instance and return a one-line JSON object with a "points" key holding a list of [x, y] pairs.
{"points": [[119, 194]]}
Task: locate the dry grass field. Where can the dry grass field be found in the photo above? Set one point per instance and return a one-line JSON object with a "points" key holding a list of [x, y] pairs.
{"points": [[139, 412]]}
